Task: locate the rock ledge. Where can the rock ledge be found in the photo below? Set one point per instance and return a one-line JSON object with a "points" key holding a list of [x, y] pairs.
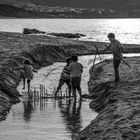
{"points": [[118, 105]]}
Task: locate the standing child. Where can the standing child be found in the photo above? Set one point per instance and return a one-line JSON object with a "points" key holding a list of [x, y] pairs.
{"points": [[76, 70], [65, 77], [27, 73], [116, 48]]}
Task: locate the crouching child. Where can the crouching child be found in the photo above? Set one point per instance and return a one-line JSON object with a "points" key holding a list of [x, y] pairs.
{"points": [[64, 78]]}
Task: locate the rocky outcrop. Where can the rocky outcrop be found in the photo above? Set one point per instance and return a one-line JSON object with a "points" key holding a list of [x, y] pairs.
{"points": [[71, 9], [8, 10], [118, 105], [32, 31], [67, 35]]}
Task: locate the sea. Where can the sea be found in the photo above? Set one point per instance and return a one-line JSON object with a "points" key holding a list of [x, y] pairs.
{"points": [[126, 30]]}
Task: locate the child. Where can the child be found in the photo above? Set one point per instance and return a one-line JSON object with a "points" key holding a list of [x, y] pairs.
{"points": [[116, 48], [27, 73], [76, 70], [65, 78]]}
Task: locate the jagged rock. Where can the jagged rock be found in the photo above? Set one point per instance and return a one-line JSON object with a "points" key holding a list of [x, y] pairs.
{"points": [[32, 31]]}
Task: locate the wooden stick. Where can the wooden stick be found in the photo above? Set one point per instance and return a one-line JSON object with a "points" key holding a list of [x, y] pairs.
{"points": [[97, 50], [118, 56], [94, 60]]}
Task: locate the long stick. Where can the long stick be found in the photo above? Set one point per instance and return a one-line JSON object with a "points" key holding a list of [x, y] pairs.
{"points": [[94, 59], [98, 52], [118, 56]]}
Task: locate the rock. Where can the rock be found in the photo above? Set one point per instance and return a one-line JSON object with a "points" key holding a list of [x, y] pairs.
{"points": [[32, 31], [67, 35]]}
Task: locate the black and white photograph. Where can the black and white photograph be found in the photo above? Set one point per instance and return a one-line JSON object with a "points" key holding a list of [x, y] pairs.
{"points": [[69, 69]]}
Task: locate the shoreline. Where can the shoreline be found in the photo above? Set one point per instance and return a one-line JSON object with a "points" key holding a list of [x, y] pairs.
{"points": [[42, 51]]}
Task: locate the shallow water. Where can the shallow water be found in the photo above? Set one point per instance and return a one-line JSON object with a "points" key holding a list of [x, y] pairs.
{"points": [[49, 119], [46, 120]]}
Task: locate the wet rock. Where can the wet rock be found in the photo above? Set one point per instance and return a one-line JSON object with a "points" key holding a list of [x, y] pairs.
{"points": [[32, 31], [67, 35]]}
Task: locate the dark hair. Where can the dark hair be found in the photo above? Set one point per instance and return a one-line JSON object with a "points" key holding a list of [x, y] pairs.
{"points": [[68, 59], [27, 62], [74, 58], [111, 35]]}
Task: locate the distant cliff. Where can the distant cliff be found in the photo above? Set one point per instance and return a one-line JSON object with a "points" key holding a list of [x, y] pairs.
{"points": [[12, 11], [70, 9], [76, 3]]}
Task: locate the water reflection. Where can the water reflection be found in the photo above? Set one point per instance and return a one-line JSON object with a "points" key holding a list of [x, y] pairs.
{"points": [[28, 107], [71, 113]]}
